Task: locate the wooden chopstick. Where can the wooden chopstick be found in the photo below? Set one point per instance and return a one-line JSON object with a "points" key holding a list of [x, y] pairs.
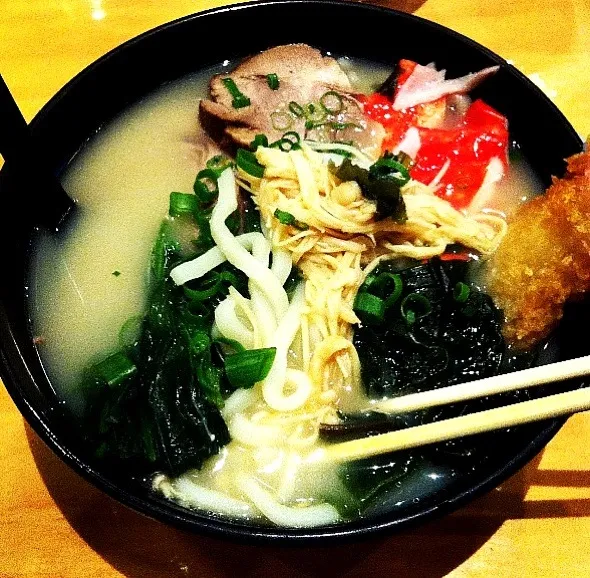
{"points": [[525, 378], [474, 423]]}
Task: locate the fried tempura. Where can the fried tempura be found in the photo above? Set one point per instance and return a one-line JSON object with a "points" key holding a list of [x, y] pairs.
{"points": [[544, 259]]}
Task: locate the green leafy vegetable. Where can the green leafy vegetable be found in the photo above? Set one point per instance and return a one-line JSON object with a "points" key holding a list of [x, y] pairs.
{"points": [[156, 402]]}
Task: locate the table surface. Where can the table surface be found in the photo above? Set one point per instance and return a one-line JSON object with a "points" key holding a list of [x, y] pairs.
{"points": [[53, 523]]}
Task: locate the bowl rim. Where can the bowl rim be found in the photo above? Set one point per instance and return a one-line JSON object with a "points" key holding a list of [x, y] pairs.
{"points": [[12, 372]]}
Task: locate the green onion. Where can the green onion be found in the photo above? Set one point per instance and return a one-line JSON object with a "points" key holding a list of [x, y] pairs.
{"points": [[239, 100], [296, 108], [129, 331], [219, 163], [260, 140], [209, 287], [369, 308], [281, 120], [246, 160], [205, 186], [182, 203], [273, 81], [390, 169], [246, 368], [286, 218], [200, 313], [461, 292], [314, 113], [199, 342], [332, 102], [414, 306], [289, 141], [231, 343], [384, 282], [115, 369], [116, 273]]}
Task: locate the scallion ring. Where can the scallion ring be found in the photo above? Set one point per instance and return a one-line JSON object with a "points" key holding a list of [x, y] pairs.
{"points": [[296, 109], [205, 186], [314, 113], [182, 203], [332, 102], [369, 308], [281, 120], [219, 163], [414, 306]]}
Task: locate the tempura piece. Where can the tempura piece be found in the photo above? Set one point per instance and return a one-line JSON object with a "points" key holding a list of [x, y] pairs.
{"points": [[544, 259]]}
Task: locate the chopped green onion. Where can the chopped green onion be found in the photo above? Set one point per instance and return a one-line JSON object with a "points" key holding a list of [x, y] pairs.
{"points": [[296, 108], [390, 169], [232, 343], [286, 218], [369, 308], [384, 283], [200, 313], [309, 124], [116, 273], [129, 331], [199, 342], [115, 369], [219, 163], [281, 120], [248, 367], [461, 292], [314, 113], [205, 186], [289, 141], [182, 203], [210, 286], [292, 136], [273, 81], [332, 102], [239, 100], [260, 140], [414, 306], [246, 160]]}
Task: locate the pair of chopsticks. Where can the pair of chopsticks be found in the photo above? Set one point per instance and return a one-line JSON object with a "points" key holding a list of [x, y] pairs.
{"points": [[473, 423]]}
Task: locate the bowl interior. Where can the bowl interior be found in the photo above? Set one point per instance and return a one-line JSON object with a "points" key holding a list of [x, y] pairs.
{"points": [[134, 69]]}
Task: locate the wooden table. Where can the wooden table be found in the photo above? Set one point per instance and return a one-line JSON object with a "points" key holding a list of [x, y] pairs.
{"points": [[52, 523]]}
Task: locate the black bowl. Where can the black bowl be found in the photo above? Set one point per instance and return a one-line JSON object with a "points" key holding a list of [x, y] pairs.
{"points": [[135, 68]]}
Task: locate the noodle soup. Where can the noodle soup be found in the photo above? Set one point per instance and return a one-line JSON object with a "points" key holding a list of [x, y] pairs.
{"points": [[270, 471]]}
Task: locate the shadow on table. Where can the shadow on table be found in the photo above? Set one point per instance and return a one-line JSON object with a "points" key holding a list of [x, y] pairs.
{"points": [[140, 547]]}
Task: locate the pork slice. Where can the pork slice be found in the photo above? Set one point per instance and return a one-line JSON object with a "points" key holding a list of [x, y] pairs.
{"points": [[304, 76]]}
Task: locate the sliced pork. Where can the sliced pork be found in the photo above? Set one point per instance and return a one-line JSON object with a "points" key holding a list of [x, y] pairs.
{"points": [[304, 77]]}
